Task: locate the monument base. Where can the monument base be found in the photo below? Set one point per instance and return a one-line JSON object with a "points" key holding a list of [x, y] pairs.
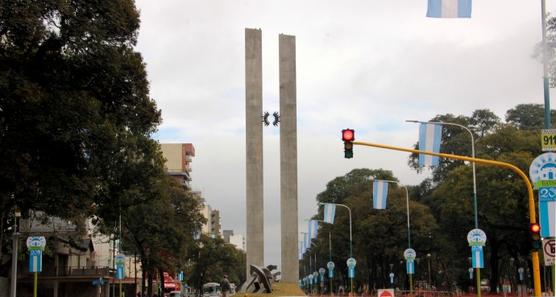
{"points": [[279, 289]]}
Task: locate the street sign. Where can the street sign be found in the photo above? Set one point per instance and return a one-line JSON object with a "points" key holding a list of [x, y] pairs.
{"points": [[180, 276], [351, 262], [548, 247], [543, 170], [386, 293], [548, 140], [330, 265], [119, 260], [35, 261], [391, 275], [409, 254], [520, 271], [36, 243], [477, 256], [547, 211], [476, 237], [470, 270]]}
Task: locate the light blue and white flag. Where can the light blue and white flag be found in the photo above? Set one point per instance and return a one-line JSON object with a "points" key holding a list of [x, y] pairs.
{"points": [[430, 136], [313, 229], [329, 213], [449, 9], [410, 267], [547, 211], [306, 241], [380, 193], [477, 258], [301, 251]]}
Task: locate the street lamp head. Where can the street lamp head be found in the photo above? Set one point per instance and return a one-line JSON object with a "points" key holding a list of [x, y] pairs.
{"points": [[412, 121], [428, 255]]}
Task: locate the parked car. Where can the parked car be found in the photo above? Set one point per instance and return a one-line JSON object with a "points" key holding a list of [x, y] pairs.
{"points": [[175, 294], [212, 290]]}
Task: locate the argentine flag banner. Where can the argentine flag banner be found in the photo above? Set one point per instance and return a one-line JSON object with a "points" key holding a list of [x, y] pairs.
{"points": [[329, 213], [313, 229], [430, 136], [380, 192], [306, 242], [449, 9], [301, 252]]}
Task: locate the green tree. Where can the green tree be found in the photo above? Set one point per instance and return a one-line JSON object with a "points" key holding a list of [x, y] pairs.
{"points": [[211, 259], [75, 111], [528, 116], [379, 236]]}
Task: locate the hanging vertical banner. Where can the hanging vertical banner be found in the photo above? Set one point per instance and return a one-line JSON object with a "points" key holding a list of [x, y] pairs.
{"points": [[120, 261], [410, 266], [330, 265], [430, 136], [329, 213], [547, 211], [35, 261], [477, 256], [301, 250], [306, 241], [351, 267], [313, 229], [380, 193]]}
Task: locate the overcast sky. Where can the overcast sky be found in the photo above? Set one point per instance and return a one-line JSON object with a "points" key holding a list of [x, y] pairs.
{"points": [[367, 65]]}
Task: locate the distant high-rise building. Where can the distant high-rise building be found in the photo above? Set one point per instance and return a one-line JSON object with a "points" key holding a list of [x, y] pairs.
{"points": [[206, 211], [226, 234], [215, 222], [238, 240], [178, 160]]}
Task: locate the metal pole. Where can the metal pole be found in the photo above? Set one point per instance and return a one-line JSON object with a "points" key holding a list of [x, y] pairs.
{"points": [[515, 169], [546, 85], [15, 241], [35, 280]]}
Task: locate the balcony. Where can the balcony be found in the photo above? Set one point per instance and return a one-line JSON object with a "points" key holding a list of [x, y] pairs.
{"points": [[93, 272]]}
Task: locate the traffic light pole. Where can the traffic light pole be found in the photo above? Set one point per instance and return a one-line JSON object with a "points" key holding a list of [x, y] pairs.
{"points": [[532, 212]]}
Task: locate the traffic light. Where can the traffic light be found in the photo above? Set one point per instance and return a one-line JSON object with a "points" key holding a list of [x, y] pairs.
{"points": [[348, 136], [535, 230]]}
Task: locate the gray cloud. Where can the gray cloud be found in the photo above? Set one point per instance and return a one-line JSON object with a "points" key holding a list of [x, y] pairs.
{"points": [[368, 65]]}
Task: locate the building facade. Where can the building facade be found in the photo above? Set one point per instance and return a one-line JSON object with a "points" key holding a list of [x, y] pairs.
{"points": [[178, 161]]}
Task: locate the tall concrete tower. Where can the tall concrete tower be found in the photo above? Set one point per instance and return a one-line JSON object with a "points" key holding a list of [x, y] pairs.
{"points": [[288, 159], [254, 148]]}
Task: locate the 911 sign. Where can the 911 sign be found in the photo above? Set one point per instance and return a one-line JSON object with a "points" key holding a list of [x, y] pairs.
{"points": [[548, 140]]}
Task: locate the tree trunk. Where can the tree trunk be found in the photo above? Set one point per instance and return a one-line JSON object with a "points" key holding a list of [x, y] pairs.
{"points": [[161, 275], [1, 235], [494, 273], [150, 287], [143, 279]]}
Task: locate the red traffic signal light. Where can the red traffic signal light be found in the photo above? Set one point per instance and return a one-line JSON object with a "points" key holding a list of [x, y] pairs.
{"points": [[534, 228], [348, 135]]}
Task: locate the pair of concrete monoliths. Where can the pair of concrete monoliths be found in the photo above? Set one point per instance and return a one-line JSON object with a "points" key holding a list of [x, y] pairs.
{"points": [[288, 154]]}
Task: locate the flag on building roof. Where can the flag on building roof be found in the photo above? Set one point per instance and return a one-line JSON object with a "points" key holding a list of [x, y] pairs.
{"points": [[449, 9]]}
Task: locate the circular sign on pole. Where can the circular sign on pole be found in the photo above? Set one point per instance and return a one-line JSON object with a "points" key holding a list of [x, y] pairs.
{"points": [[36, 242], [351, 262], [322, 271], [541, 170], [119, 260], [410, 254], [476, 237], [330, 265]]}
